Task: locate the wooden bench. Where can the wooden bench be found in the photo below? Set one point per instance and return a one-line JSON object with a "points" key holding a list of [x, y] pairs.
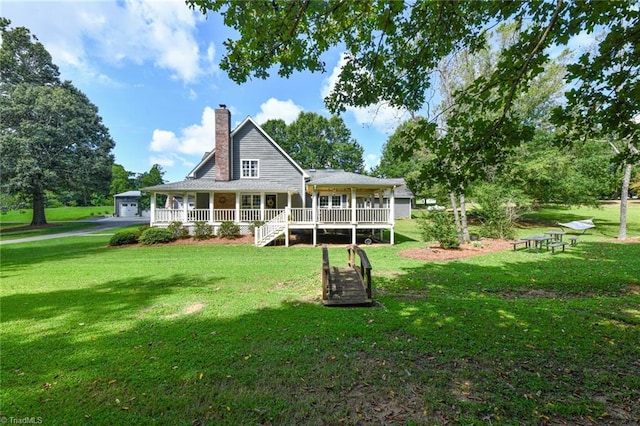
{"points": [[573, 240], [557, 244], [518, 242], [350, 285]]}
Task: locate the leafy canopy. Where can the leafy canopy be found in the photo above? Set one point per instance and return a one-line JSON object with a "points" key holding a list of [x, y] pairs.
{"points": [[391, 49], [51, 136], [314, 141]]}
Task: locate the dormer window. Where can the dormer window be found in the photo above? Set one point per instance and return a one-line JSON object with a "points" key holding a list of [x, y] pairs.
{"points": [[250, 169]]}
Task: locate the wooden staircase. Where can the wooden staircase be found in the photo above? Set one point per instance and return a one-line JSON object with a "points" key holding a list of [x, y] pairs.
{"points": [[271, 230]]}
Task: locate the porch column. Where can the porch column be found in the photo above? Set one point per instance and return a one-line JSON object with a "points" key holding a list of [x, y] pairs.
{"points": [[237, 216], [262, 204], [354, 240], [354, 218], [289, 199], [185, 207], [152, 207], [314, 215], [211, 194], [314, 206], [392, 207]]}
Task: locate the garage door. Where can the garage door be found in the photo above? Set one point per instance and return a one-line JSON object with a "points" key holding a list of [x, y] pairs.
{"points": [[128, 209]]}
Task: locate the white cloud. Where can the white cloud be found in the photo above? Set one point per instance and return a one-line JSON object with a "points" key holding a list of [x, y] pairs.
{"points": [[162, 33], [277, 109], [163, 161], [371, 160], [381, 116], [194, 140]]}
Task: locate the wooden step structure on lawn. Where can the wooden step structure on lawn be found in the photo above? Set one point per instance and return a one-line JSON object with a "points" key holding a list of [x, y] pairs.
{"points": [[347, 286]]}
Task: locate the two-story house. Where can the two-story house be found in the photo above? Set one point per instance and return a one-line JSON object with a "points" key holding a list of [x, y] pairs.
{"points": [[250, 180]]}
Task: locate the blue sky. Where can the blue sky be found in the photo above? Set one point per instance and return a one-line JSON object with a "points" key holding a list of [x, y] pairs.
{"points": [[151, 67]]}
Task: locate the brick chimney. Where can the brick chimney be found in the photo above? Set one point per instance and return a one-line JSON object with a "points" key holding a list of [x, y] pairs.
{"points": [[223, 144]]}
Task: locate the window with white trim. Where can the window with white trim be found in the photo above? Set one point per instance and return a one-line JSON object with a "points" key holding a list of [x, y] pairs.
{"points": [[250, 168], [333, 201], [251, 201]]}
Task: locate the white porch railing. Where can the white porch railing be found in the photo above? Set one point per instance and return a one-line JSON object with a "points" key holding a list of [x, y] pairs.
{"points": [[224, 215], [269, 214], [294, 215], [299, 215], [198, 215], [372, 215], [270, 230], [334, 215], [169, 215]]}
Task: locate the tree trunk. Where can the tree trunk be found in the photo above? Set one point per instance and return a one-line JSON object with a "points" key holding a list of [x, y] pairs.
{"points": [[456, 217], [39, 217], [624, 196], [463, 218]]}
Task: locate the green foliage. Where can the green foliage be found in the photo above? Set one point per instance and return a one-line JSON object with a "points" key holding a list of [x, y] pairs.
{"points": [[156, 236], [439, 226], [177, 230], [508, 323], [42, 116], [314, 141], [123, 238], [499, 209], [153, 177], [121, 180], [202, 231], [255, 224], [228, 230], [141, 229]]}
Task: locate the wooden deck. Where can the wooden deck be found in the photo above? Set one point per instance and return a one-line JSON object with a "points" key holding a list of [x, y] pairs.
{"points": [[347, 286]]}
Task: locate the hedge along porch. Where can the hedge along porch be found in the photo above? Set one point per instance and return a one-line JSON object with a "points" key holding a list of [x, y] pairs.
{"points": [[250, 180]]}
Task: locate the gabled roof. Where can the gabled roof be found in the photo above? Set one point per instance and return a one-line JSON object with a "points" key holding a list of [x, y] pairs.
{"points": [[209, 155], [128, 194], [206, 185], [340, 178]]}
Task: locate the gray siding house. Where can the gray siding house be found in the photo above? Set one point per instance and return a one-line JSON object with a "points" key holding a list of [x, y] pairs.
{"points": [[250, 180]]}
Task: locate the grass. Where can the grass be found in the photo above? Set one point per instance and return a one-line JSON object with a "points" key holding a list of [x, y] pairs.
{"points": [[14, 224], [57, 214], [236, 335]]}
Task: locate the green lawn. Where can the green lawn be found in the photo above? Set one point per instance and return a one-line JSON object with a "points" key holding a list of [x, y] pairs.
{"points": [[237, 334], [13, 224], [57, 214]]}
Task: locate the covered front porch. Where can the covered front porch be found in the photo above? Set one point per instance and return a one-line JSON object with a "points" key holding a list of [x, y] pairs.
{"points": [[272, 214]]}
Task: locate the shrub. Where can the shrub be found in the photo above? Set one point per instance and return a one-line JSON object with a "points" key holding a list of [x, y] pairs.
{"points": [[499, 210], [439, 226], [229, 230], [156, 236], [142, 228], [177, 230], [123, 238], [254, 225], [202, 231]]}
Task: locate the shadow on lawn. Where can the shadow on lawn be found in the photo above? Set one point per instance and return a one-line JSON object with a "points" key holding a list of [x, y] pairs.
{"points": [[20, 256], [455, 342]]}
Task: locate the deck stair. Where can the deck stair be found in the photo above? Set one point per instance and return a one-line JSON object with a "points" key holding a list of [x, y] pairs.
{"points": [[271, 230]]}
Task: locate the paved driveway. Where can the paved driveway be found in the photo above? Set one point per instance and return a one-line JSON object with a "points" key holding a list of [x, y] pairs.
{"points": [[102, 224]]}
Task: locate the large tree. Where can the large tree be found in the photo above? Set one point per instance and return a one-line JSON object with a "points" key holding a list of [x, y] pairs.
{"points": [[391, 49], [315, 141], [51, 136]]}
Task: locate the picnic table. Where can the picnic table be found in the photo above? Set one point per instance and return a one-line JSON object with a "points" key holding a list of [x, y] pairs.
{"points": [[556, 235], [537, 241]]}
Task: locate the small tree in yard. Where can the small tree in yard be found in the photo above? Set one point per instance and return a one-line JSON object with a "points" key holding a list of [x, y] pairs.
{"points": [[440, 226], [499, 209]]}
